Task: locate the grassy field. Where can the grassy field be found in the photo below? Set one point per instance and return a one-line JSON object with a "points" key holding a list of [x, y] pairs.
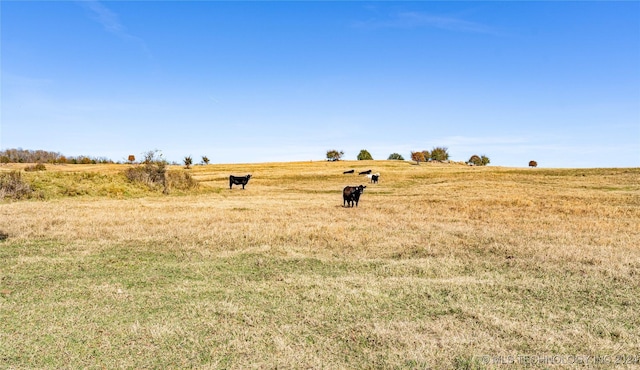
{"points": [[440, 266]]}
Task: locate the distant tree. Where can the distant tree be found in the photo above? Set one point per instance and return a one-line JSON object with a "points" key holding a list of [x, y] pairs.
{"points": [[485, 160], [426, 154], [439, 154], [334, 155], [205, 159], [395, 156], [364, 155], [418, 157], [533, 164], [475, 160], [131, 158], [188, 161]]}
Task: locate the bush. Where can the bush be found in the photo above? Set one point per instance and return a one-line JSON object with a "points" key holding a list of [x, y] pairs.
{"points": [[439, 154], [334, 155], [475, 160], [36, 167], [364, 155], [179, 180], [396, 157], [426, 154], [153, 173], [150, 172], [12, 186]]}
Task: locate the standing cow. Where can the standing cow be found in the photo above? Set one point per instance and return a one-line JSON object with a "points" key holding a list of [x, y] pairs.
{"points": [[351, 195], [238, 180], [373, 178]]}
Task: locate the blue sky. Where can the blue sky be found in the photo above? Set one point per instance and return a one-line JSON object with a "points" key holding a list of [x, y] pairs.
{"points": [[241, 82]]}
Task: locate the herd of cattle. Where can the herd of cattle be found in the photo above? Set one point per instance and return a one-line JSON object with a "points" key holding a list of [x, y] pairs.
{"points": [[350, 194]]}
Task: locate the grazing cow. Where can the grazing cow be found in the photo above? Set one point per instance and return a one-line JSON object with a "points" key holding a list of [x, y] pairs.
{"points": [[350, 171], [351, 195], [364, 172], [238, 180], [373, 178], [533, 164]]}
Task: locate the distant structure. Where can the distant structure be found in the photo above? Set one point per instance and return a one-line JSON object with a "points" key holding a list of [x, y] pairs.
{"points": [[533, 164]]}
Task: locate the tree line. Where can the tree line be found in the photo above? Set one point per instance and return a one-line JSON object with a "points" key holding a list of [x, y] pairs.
{"points": [[438, 154], [42, 156], [20, 155]]}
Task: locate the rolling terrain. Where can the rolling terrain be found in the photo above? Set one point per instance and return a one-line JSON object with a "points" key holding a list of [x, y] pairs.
{"points": [[440, 266]]}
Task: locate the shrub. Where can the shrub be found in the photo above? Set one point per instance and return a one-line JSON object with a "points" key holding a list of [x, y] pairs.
{"points": [[334, 155], [150, 172], [12, 186], [426, 154], [479, 160], [364, 155], [439, 154], [179, 180], [395, 156], [475, 160], [36, 167]]}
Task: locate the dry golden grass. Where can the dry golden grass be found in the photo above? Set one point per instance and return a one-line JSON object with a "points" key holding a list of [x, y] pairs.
{"points": [[438, 266]]}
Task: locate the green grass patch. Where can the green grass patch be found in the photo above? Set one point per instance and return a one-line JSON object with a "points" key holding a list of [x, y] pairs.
{"points": [[135, 306]]}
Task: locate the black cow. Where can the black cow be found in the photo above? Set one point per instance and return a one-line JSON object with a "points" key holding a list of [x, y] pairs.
{"points": [[238, 180], [374, 178], [351, 195], [350, 171], [364, 172]]}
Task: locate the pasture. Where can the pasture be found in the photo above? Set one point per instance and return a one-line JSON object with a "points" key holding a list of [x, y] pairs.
{"points": [[438, 267]]}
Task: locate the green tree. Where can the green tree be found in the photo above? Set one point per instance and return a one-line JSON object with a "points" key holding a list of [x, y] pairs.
{"points": [[364, 155], [479, 160], [334, 155], [395, 156], [205, 159], [439, 154]]}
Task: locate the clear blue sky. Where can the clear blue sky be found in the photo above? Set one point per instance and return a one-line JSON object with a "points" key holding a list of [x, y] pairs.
{"points": [[239, 82]]}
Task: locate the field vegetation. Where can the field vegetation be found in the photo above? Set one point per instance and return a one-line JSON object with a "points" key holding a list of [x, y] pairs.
{"points": [[439, 266]]}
